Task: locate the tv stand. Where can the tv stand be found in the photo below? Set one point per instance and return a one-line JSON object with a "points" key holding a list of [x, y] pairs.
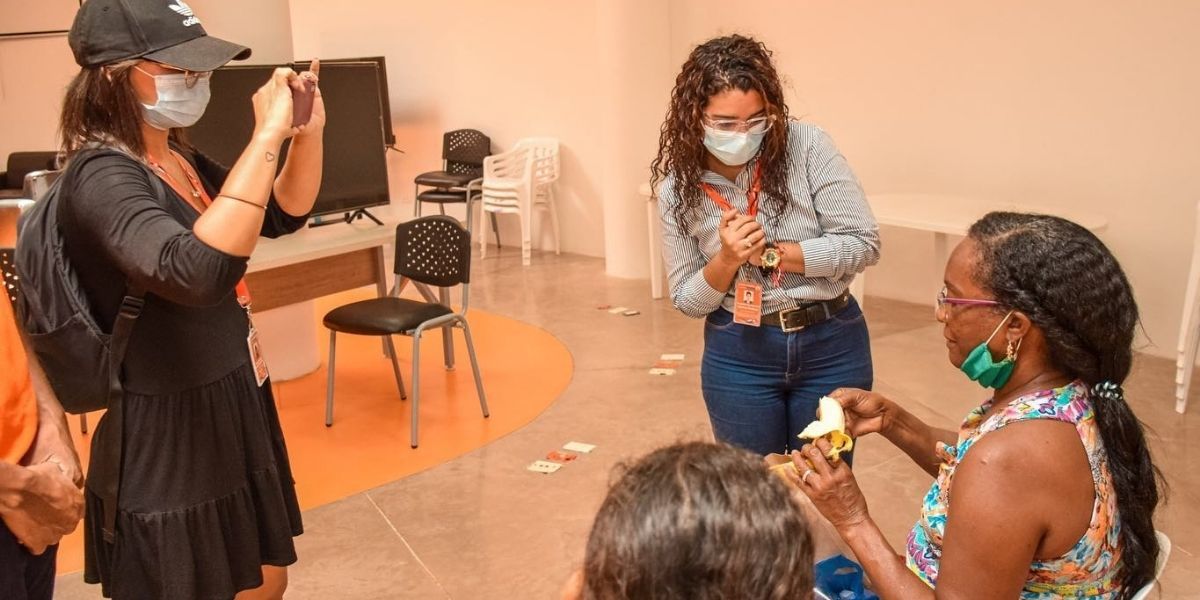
{"points": [[349, 217]]}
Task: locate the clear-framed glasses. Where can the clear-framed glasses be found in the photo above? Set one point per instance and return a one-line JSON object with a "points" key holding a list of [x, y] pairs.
{"points": [[190, 78], [756, 125], [942, 301]]}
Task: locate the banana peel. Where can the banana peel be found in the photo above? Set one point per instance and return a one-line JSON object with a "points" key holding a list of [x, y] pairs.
{"points": [[781, 465], [831, 425]]}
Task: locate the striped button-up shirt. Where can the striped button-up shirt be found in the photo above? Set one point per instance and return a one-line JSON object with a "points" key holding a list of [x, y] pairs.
{"points": [[828, 216]]}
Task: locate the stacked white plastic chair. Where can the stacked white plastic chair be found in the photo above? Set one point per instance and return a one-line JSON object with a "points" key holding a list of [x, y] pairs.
{"points": [[1189, 328], [519, 181]]}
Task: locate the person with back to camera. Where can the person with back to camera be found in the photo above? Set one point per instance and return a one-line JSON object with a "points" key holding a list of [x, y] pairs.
{"points": [[764, 228], [207, 506], [695, 521], [1047, 490]]}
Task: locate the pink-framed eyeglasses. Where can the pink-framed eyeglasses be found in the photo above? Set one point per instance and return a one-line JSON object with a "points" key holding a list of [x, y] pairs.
{"points": [[942, 300]]}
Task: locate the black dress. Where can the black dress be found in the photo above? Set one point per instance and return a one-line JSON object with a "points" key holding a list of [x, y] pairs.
{"points": [[206, 494]]}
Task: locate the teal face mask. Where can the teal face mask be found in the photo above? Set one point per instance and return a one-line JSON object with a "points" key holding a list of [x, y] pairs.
{"points": [[980, 367]]}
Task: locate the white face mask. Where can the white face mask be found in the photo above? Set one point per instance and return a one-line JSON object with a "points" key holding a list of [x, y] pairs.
{"points": [[178, 105], [731, 147]]}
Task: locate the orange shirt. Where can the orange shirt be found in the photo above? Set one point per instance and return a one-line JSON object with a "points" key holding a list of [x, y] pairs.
{"points": [[18, 405]]}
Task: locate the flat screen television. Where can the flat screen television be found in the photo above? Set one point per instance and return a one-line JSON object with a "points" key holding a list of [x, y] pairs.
{"points": [[355, 165], [389, 136]]}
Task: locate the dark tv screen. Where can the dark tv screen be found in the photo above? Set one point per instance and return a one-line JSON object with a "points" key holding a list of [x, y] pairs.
{"points": [[355, 165], [389, 136]]}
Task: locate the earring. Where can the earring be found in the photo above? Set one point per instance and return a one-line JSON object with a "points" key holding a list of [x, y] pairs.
{"points": [[1012, 350]]}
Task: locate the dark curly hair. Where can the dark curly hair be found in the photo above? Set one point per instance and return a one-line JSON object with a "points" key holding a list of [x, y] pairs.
{"points": [[1073, 289], [698, 521], [719, 65]]}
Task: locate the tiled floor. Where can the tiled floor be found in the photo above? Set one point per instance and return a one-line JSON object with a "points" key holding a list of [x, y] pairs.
{"points": [[481, 526]]}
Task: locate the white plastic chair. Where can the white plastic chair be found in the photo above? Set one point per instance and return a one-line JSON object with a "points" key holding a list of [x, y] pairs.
{"points": [[1164, 552], [1189, 328], [516, 182]]}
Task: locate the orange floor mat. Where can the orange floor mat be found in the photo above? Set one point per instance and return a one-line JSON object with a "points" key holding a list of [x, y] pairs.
{"points": [[524, 370]]}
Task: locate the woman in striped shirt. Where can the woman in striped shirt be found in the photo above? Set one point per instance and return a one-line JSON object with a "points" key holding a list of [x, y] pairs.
{"points": [[762, 217]]}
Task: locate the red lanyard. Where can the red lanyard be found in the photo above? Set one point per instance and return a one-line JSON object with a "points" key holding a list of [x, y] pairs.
{"points": [[196, 197], [751, 194]]}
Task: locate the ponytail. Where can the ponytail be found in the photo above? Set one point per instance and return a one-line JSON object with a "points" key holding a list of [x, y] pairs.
{"points": [[1130, 467], [1073, 289]]}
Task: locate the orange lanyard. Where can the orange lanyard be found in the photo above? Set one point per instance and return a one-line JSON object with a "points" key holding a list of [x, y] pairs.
{"points": [[751, 194], [196, 197]]}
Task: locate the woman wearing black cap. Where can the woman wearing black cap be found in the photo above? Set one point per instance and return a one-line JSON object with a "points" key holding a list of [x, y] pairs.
{"points": [[199, 500]]}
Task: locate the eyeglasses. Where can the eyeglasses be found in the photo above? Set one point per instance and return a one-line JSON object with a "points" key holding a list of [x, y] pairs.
{"points": [[940, 312], [755, 125], [190, 78]]}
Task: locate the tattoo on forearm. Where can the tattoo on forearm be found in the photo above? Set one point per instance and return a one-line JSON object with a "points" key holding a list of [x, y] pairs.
{"points": [[270, 157]]}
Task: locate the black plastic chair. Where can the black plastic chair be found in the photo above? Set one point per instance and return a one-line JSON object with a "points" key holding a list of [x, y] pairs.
{"points": [[436, 251], [461, 179]]}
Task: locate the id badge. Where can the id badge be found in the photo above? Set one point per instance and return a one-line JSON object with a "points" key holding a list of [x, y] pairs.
{"points": [[747, 304], [256, 356]]}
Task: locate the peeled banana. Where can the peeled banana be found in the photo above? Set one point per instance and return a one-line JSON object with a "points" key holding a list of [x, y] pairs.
{"points": [[831, 425]]}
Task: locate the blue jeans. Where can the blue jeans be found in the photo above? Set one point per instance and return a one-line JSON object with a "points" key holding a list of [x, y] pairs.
{"points": [[761, 385]]}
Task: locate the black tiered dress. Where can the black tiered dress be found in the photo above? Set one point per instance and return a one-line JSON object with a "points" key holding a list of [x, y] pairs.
{"points": [[206, 494]]}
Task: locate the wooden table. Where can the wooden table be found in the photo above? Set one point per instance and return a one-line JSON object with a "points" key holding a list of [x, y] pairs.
{"points": [[317, 262]]}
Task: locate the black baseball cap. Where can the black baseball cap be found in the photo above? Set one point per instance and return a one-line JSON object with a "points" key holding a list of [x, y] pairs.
{"points": [[165, 31]]}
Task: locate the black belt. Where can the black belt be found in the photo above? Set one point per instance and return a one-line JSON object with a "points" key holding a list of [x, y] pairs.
{"points": [[810, 313]]}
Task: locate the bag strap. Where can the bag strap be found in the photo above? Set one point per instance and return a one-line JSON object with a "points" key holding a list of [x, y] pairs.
{"points": [[122, 331], [110, 455]]}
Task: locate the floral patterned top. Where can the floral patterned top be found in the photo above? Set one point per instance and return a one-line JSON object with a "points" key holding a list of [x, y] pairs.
{"points": [[1089, 569]]}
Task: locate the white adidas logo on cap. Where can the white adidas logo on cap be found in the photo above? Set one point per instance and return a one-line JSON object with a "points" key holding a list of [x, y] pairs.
{"points": [[182, 8]]}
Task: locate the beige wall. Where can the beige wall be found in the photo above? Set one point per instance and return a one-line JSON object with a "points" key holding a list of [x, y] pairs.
{"points": [[34, 72], [263, 25], [1077, 105], [508, 69], [1068, 105], [634, 82]]}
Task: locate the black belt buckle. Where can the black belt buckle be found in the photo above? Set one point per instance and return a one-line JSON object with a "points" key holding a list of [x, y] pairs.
{"points": [[783, 319], [826, 310]]}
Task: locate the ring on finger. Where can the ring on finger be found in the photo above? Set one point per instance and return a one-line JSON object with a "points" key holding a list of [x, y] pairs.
{"points": [[804, 477], [748, 244]]}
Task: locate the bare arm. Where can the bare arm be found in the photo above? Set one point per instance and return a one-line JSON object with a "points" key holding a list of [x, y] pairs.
{"points": [[53, 442], [233, 226], [43, 502], [297, 186], [918, 440], [872, 412], [1007, 494], [1017, 494]]}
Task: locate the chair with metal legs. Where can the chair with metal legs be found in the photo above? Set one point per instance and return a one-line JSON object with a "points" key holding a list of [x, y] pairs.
{"points": [[459, 181], [434, 251]]}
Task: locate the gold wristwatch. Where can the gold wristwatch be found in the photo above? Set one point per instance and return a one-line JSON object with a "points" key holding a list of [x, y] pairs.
{"points": [[771, 258]]}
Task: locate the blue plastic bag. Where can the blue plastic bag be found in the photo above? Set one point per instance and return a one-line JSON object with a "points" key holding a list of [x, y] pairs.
{"points": [[840, 578]]}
